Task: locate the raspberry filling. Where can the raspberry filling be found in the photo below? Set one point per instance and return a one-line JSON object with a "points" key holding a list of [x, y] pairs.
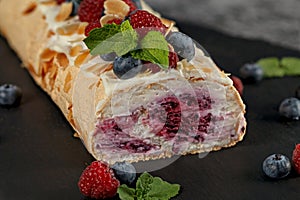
{"points": [[116, 137], [181, 118], [175, 119]]}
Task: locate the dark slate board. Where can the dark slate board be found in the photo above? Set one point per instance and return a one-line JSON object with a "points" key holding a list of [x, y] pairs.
{"points": [[39, 158]]}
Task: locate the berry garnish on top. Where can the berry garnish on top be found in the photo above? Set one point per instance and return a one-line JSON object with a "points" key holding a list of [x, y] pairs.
{"points": [[126, 67], [182, 44], [130, 50], [131, 5], [116, 21], [296, 158], [137, 44], [98, 181], [173, 59], [277, 166], [143, 22], [10, 95], [137, 4], [90, 10], [91, 26]]}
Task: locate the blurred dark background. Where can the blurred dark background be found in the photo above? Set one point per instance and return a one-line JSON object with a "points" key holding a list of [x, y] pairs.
{"points": [[275, 21]]}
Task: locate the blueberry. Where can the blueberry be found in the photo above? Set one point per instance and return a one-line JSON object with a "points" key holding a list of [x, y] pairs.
{"points": [[290, 108], [251, 73], [277, 166], [183, 45], [137, 3], [109, 56], [10, 95], [126, 67], [76, 4], [124, 172], [298, 93]]}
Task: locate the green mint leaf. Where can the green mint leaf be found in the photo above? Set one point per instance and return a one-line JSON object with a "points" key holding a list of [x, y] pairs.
{"points": [[154, 188], [271, 67], [291, 66], [125, 26], [162, 190], [99, 35], [121, 43], [153, 48], [143, 185], [126, 193], [120, 39]]}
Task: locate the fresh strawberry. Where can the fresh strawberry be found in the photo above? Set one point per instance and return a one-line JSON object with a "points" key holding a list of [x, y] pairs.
{"points": [[238, 84], [296, 158], [90, 10], [60, 1], [173, 59], [116, 21], [144, 22], [98, 181], [131, 5], [91, 26]]}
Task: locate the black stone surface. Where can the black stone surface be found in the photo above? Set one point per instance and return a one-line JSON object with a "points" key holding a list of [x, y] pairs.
{"points": [[40, 159]]}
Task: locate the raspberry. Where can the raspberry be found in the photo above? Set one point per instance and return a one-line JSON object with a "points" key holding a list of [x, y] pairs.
{"points": [[296, 158], [90, 10], [98, 181], [60, 1], [131, 5], [237, 83], [154, 68], [143, 19], [91, 26], [173, 59], [116, 21]]}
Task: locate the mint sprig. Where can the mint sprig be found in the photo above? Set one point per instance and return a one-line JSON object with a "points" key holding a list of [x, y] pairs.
{"points": [[291, 65], [153, 48], [123, 39], [271, 67], [149, 188], [112, 38], [98, 35], [275, 67]]}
